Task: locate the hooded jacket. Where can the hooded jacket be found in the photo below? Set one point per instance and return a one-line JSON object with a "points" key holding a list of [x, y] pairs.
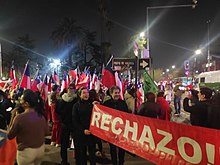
{"points": [[64, 109]]}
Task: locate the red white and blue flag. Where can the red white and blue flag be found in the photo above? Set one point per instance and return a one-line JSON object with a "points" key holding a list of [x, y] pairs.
{"points": [[13, 77], [26, 80], [56, 78], [51, 83], [108, 76], [44, 89], [35, 86], [119, 84], [93, 81], [65, 81]]}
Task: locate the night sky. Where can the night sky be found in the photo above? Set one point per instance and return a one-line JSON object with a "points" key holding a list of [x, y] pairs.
{"points": [[174, 34]]}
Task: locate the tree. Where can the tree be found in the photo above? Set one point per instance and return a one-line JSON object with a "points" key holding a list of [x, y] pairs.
{"points": [[21, 53], [69, 34], [105, 25]]}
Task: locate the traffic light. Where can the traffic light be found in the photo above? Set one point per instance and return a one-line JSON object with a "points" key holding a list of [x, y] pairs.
{"points": [[186, 65]]}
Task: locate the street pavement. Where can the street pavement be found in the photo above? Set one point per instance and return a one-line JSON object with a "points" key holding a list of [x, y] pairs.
{"points": [[52, 157]]}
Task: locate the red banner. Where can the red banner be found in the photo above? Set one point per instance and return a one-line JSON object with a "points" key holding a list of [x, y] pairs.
{"points": [[158, 141]]}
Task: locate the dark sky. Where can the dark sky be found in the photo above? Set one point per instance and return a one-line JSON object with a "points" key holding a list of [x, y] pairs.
{"points": [[175, 33]]}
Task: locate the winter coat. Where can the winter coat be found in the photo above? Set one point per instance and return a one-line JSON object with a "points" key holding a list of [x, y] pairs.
{"points": [[214, 112], [165, 108], [65, 108], [81, 115], [150, 109], [198, 112], [118, 105]]}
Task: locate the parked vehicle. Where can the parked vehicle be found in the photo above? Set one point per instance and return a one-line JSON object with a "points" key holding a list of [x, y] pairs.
{"points": [[209, 79]]}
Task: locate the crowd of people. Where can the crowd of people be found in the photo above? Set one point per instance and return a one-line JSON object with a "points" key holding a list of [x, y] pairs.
{"points": [[23, 115]]}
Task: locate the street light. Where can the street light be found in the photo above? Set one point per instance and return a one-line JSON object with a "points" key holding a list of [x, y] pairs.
{"points": [[198, 51], [193, 5], [209, 56], [142, 34], [173, 66]]}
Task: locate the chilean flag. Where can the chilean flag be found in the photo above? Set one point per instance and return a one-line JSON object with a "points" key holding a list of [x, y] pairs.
{"points": [[140, 95], [37, 81], [65, 81], [13, 77], [26, 80], [44, 88], [83, 80], [56, 78], [73, 74], [93, 81], [108, 77], [51, 83], [119, 84]]}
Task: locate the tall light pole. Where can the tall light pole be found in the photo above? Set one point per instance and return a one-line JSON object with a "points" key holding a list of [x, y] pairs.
{"points": [[208, 44], [0, 61], [193, 5]]}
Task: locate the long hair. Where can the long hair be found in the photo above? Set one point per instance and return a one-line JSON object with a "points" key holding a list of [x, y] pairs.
{"points": [[35, 101]]}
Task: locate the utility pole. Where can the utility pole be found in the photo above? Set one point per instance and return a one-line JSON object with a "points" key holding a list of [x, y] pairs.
{"points": [[0, 61], [208, 44]]}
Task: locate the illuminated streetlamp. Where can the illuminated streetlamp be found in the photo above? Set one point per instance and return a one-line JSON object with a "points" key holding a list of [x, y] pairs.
{"points": [[198, 51], [142, 34], [209, 56], [173, 66]]}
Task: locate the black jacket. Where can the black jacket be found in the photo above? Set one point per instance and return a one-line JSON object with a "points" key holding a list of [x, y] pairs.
{"points": [[150, 109], [65, 107], [198, 112], [119, 105], [81, 115]]}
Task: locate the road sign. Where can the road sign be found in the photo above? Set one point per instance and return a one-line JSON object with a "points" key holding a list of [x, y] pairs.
{"points": [[123, 63], [144, 63]]}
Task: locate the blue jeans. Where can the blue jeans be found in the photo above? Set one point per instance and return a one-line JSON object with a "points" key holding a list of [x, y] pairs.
{"points": [[177, 104]]}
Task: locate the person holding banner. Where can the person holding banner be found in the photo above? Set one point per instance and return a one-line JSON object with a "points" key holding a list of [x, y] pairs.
{"points": [[116, 103], [30, 129], [83, 139]]}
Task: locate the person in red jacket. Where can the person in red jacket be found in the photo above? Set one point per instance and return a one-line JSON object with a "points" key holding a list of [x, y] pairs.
{"points": [[165, 107], [56, 129]]}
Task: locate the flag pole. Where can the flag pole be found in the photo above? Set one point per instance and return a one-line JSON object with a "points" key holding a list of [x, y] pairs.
{"points": [[109, 60]]}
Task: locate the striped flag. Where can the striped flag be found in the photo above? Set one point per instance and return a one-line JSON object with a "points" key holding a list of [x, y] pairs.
{"points": [[44, 89], [56, 78], [119, 84], [50, 83], [26, 80], [35, 85], [13, 77], [65, 81], [93, 81]]}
